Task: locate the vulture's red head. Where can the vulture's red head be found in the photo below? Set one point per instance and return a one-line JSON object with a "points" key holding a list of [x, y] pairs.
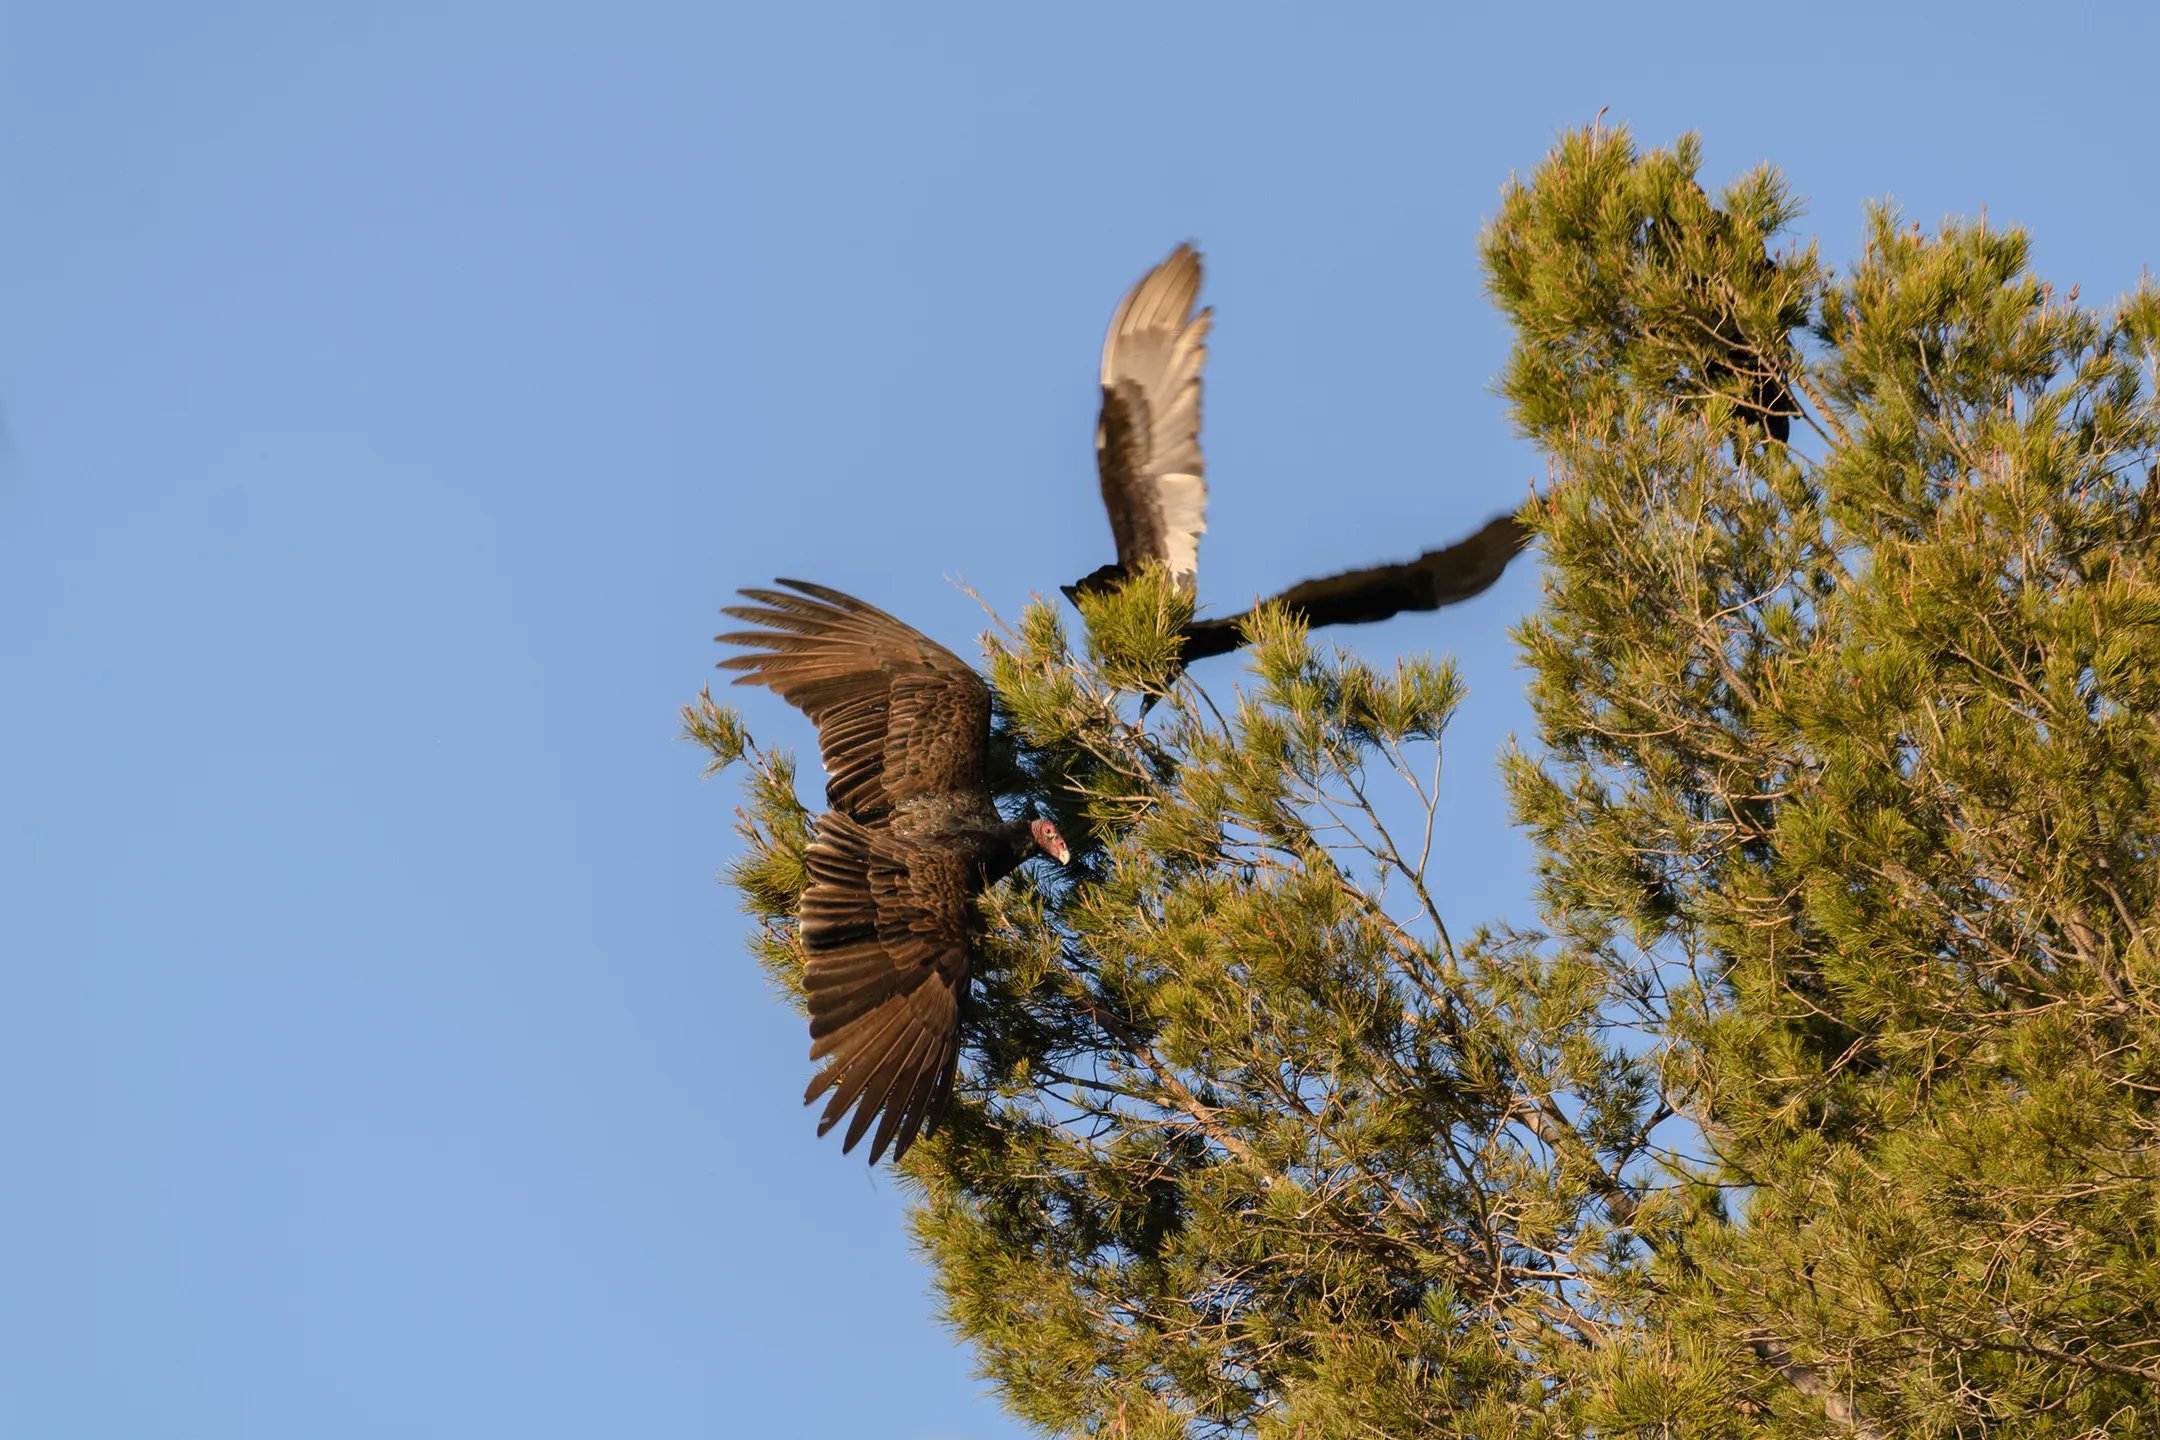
{"points": [[1050, 842]]}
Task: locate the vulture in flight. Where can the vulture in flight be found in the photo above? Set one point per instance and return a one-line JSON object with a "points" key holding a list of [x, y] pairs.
{"points": [[911, 837], [1154, 485]]}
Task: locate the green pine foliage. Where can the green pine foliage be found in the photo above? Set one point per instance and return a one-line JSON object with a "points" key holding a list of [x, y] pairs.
{"points": [[1851, 747], [1821, 1103], [1248, 1144]]}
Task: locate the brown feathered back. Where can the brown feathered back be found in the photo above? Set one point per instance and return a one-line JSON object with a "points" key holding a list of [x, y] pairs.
{"points": [[899, 716]]}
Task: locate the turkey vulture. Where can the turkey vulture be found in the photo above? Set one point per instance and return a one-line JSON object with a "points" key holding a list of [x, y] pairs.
{"points": [[911, 838], [1769, 401], [1147, 456], [1727, 352]]}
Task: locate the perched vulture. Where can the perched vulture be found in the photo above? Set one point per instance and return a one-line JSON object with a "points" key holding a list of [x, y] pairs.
{"points": [[1770, 401], [1729, 353], [911, 838], [1147, 456]]}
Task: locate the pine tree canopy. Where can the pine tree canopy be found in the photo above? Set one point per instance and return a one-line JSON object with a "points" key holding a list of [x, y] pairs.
{"points": [[1821, 1098]]}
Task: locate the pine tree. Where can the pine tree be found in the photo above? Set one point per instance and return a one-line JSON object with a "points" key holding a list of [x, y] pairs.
{"points": [[1821, 1098], [1249, 1143], [1851, 750]]}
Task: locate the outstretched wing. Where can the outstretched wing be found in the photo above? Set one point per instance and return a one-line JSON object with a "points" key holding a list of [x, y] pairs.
{"points": [[1356, 597], [884, 928], [898, 715], [1147, 442]]}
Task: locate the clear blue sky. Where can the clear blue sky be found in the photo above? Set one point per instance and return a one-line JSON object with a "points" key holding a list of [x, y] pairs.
{"points": [[394, 392]]}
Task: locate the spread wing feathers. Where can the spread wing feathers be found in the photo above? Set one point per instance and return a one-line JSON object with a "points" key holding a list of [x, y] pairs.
{"points": [[885, 941], [1433, 580], [898, 715], [1147, 443]]}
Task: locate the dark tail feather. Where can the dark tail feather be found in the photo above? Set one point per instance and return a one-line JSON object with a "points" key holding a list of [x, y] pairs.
{"points": [[1101, 579]]}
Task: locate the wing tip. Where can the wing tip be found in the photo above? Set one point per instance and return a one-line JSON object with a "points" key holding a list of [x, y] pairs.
{"points": [[1166, 294]]}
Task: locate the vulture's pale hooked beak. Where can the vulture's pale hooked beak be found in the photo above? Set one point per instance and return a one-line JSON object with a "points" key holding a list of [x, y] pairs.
{"points": [[1050, 842]]}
